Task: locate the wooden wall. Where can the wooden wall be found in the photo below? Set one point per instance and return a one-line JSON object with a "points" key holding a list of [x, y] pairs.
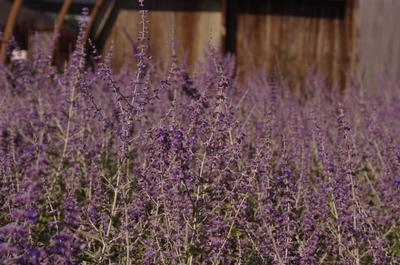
{"points": [[197, 22], [292, 36], [334, 37], [295, 36], [378, 42]]}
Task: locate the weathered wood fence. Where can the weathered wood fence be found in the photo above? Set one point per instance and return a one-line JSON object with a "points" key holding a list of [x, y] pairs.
{"points": [[337, 38]]}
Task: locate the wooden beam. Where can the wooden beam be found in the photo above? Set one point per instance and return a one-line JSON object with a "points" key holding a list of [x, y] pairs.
{"points": [[93, 17], [107, 24], [351, 28], [103, 16], [11, 20], [59, 22], [61, 16]]}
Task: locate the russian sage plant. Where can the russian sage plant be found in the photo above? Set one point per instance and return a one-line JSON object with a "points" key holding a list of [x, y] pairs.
{"points": [[173, 166]]}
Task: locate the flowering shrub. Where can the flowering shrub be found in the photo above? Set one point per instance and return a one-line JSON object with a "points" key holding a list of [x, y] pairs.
{"points": [[173, 167]]}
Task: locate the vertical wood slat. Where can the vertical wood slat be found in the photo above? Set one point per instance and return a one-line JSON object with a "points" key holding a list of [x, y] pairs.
{"points": [[93, 17], [100, 26], [192, 31], [320, 38], [61, 15], [292, 36], [103, 28], [11, 20], [352, 12], [58, 25], [360, 41]]}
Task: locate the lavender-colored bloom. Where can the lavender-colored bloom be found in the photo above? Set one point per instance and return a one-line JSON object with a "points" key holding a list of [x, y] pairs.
{"points": [[154, 165]]}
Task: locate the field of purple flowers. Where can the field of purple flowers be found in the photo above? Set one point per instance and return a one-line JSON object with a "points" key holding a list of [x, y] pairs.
{"points": [[154, 166]]}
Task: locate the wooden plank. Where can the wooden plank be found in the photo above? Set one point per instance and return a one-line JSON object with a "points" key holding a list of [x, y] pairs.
{"points": [[105, 24], [93, 17], [58, 25], [12, 18], [294, 36], [103, 19], [61, 15], [350, 39], [193, 31]]}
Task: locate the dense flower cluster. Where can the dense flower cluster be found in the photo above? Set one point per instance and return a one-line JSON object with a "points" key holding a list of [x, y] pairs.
{"points": [[169, 166]]}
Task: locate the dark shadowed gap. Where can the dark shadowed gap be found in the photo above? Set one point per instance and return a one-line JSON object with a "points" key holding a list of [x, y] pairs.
{"points": [[175, 5], [301, 8], [231, 17], [55, 5], [100, 39]]}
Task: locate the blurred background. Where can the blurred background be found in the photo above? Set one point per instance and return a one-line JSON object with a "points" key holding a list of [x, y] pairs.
{"points": [[336, 38]]}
